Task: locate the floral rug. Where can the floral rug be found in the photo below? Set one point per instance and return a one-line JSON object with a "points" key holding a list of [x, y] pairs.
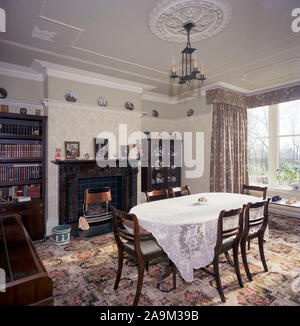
{"points": [[83, 273]]}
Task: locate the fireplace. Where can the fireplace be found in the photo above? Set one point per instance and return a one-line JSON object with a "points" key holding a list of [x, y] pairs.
{"points": [[76, 176]]}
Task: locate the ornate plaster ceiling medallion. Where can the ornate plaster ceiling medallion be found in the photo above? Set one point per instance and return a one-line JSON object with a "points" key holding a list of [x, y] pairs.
{"points": [[209, 16]]}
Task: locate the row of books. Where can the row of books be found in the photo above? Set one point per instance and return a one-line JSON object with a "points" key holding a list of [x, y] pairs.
{"points": [[20, 172], [9, 193], [20, 150], [17, 129]]}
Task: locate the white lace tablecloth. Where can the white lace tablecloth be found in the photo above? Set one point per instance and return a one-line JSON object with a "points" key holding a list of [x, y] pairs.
{"points": [[186, 230]]}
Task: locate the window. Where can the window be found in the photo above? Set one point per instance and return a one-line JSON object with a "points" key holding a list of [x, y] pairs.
{"points": [[258, 145], [289, 133], [274, 144]]}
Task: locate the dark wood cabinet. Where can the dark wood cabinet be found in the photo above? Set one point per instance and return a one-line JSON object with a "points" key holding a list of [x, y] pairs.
{"points": [[22, 169], [161, 168]]}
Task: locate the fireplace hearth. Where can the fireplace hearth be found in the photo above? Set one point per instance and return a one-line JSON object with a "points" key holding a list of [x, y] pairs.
{"points": [[75, 176]]}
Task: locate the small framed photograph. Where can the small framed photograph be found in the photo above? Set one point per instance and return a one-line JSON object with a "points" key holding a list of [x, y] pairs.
{"points": [[72, 150], [101, 148]]}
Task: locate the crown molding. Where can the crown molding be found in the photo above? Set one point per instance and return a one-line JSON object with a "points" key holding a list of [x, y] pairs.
{"points": [[11, 70], [83, 76], [274, 88], [40, 70]]}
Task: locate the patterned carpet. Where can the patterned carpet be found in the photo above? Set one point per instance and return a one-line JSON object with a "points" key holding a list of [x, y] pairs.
{"points": [[84, 271]]}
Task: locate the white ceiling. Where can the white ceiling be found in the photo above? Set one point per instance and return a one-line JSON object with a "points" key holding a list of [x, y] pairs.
{"points": [[256, 50]]}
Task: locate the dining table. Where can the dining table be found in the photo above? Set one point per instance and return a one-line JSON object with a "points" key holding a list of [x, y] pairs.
{"points": [[186, 229]]}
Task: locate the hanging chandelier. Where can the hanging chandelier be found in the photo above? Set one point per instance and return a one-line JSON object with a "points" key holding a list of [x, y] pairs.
{"points": [[188, 73]]}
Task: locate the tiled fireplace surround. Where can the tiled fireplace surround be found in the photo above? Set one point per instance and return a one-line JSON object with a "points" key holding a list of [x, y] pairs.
{"points": [[75, 176]]}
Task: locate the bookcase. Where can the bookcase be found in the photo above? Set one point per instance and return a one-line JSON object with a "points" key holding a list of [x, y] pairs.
{"points": [[156, 176], [22, 169]]}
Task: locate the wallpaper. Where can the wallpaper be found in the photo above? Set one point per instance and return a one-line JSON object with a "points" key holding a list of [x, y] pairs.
{"points": [[68, 122], [200, 123]]}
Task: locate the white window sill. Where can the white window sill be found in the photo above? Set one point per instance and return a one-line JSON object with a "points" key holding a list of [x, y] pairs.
{"points": [[283, 189]]}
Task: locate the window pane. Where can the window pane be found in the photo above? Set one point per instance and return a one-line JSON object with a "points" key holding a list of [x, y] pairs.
{"points": [[258, 145], [289, 118], [258, 151], [258, 122], [289, 150]]}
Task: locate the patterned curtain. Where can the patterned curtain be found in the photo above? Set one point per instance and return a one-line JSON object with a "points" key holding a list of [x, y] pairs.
{"points": [[229, 149]]}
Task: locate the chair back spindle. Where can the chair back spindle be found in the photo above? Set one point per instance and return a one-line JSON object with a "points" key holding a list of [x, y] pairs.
{"points": [[230, 226], [256, 217]]}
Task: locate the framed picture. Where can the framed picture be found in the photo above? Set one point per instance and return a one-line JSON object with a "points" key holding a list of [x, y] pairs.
{"points": [[72, 150], [101, 148]]}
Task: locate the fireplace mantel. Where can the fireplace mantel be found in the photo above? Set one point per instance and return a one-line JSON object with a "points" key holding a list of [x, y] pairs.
{"points": [[70, 171]]}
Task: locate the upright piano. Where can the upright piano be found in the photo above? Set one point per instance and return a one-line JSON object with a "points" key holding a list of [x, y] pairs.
{"points": [[26, 279]]}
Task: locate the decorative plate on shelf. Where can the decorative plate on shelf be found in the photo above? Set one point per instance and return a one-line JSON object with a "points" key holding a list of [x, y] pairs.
{"points": [[70, 96], [102, 101], [190, 112], [129, 106], [3, 93], [155, 114]]}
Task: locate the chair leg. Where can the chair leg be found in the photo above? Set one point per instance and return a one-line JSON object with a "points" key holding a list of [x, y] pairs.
{"points": [[261, 251], [244, 256], [120, 266], [226, 253], [139, 284], [236, 265], [217, 278], [147, 266], [248, 244]]}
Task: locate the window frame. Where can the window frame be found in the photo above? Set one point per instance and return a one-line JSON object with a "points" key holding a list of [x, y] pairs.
{"points": [[274, 145]]}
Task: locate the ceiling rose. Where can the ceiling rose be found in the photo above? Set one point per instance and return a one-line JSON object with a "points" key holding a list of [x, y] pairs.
{"points": [[209, 17]]}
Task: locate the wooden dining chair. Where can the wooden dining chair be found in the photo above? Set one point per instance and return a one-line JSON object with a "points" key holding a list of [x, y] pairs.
{"points": [[156, 195], [180, 191], [255, 227], [247, 188], [230, 228], [137, 244]]}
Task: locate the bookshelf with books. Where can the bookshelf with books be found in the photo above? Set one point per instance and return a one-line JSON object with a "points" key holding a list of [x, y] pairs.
{"points": [[22, 169]]}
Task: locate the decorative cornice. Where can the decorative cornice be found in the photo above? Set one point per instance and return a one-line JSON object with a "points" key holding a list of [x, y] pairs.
{"points": [[83, 76], [42, 69], [11, 70]]}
